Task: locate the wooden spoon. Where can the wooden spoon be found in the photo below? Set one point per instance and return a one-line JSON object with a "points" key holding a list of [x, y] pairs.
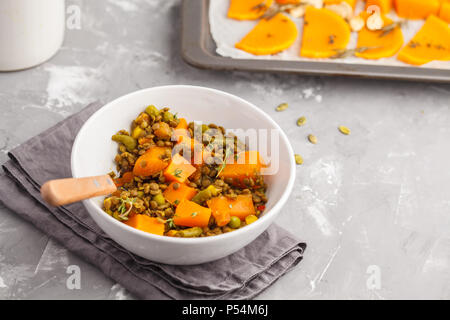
{"points": [[64, 191]]}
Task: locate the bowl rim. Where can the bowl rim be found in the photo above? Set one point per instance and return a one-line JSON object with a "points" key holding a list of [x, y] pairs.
{"points": [[276, 208]]}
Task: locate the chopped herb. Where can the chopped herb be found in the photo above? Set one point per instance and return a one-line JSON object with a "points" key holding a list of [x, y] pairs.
{"points": [[123, 210], [176, 202], [177, 173], [170, 223], [194, 214]]}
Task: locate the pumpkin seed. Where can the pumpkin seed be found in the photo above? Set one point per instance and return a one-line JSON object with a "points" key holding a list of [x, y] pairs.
{"points": [[312, 138], [298, 159], [301, 121], [282, 107], [344, 130]]}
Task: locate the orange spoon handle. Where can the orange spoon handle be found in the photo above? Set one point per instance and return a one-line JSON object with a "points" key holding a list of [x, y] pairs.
{"points": [[64, 191]]}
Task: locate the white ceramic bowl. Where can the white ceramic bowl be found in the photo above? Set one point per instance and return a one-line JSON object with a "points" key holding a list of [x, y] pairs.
{"points": [[93, 153]]}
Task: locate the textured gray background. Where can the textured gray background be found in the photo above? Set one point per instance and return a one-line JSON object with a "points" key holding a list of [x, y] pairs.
{"points": [[375, 200]]}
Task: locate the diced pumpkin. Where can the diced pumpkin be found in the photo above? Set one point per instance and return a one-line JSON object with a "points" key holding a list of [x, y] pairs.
{"points": [[194, 149], [247, 165], [190, 214], [352, 3], [182, 124], [178, 134], [270, 36], [220, 210], [145, 223], [183, 192], [384, 5], [417, 9], [164, 131], [223, 208], [383, 46], [186, 143], [179, 169], [432, 42], [324, 33], [126, 178], [247, 9], [151, 162], [181, 130], [444, 12]]}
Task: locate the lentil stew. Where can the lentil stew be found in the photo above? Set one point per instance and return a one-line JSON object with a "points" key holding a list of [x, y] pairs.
{"points": [[183, 179]]}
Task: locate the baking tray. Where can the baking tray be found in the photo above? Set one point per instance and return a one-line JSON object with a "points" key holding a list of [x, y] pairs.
{"points": [[199, 50]]}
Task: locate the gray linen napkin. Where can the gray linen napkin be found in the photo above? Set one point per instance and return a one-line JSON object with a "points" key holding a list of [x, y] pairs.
{"points": [[242, 275]]}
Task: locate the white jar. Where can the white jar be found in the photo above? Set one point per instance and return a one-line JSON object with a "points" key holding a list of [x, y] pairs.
{"points": [[31, 32]]}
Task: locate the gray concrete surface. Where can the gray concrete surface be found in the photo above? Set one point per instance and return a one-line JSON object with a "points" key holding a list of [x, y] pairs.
{"points": [[374, 207]]}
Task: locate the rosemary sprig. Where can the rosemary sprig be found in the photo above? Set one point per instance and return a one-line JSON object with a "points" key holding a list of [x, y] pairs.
{"points": [[344, 53], [278, 8], [261, 6], [224, 162], [391, 27]]}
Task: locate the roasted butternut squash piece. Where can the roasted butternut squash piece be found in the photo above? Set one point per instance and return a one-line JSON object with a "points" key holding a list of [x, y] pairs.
{"points": [[384, 46], [177, 192], [145, 223], [179, 169], [444, 12], [324, 33], [417, 9], [432, 42], [223, 208], [384, 5], [247, 165], [270, 36], [248, 9], [151, 162], [193, 149], [126, 178], [190, 214]]}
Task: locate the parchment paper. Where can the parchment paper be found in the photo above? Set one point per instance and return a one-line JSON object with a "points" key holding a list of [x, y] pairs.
{"points": [[227, 32]]}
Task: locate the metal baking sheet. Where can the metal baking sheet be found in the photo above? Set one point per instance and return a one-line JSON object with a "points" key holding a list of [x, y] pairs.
{"points": [[199, 50]]}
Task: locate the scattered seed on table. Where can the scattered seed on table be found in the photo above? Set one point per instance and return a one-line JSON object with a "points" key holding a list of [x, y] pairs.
{"points": [[301, 121], [344, 130], [312, 138], [282, 107], [298, 159]]}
